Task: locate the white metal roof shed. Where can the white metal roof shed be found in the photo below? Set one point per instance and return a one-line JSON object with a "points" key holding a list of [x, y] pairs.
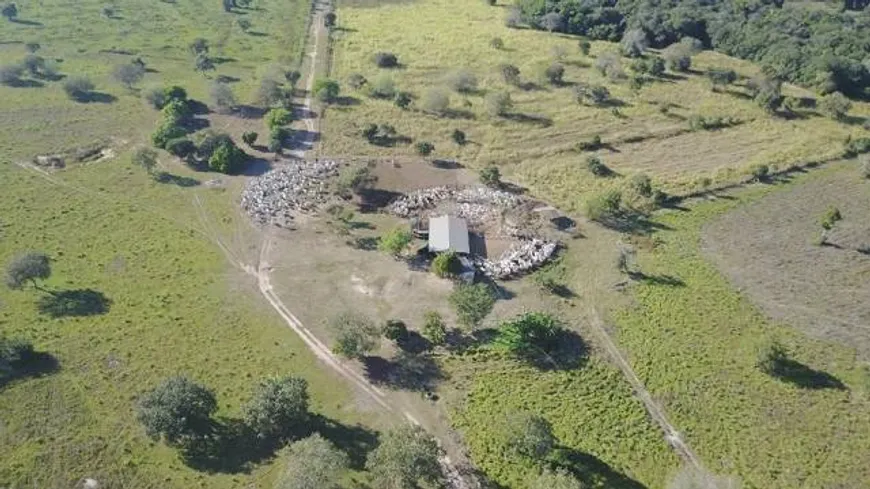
{"points": [[448, 233]]}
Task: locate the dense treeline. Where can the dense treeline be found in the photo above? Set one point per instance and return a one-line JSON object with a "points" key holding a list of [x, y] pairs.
{"points": [[816, 47]]}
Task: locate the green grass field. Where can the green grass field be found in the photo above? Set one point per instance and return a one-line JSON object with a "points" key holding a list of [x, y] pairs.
{"points": [[435, 37], [694, 346]]}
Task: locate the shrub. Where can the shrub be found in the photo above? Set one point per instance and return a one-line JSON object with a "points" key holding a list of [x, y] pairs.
{"points": [[126, 74], [510, 73], [472, 302], [490, 176], [691, 45], [326, 90], [771, 356], [584, 46], [634, 43], [78, 88], [529, 435], [830, 218], [355, 335], [227, 159], [10, 11], [145, 158], [165, 132], [277, 137], [11, 74], [497, 43], [721, 77], [210, 141], [552, 21], [597, 95], [608, 63], [384, 87], [33, 64], [155, 96], [27, 268], [677, 58], [656, 67], [292, 76], [596, 167], [176, 111], [604, 206], [835, 105], [855, 147], [435, 101], [462, 81], [175, 92], [178, 410], [270, 92], [555, 479], [530, 336], [386, 60], [249, 137], [592, 144], [767, 93], [407, 457], [395, 241], [444, 264], [180, 147], [222, 97], [760, 172], [278, 117], [498, 103], [641, 184], [395, 330], [424, 148], [313, 463], [278, 408], [458, 137], [15, 353], [434, 329], [513, 19], [329, 19], [554, 73], [356, 81]]}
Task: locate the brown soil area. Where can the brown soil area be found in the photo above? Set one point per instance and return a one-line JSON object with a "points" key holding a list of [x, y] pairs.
{"points": [[768, 250]]}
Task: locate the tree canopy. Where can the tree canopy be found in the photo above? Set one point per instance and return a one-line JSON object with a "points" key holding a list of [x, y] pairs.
{"points": [[529, 435], [355, 335], [313, 463], [27, 268], [278, 408], [472, 302], [406, 457], [178, 410]]}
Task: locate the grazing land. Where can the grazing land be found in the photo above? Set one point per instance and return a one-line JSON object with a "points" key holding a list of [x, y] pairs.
{"points": [[770, 250]]}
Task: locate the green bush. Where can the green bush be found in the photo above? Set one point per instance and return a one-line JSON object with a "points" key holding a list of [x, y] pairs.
{"points": [[604, 206], [831, 216], [180, 147], [760, 172], [227, 159], [355, 335], [436, 101], [594, 143], [444, 264], [490, 176], [424, 148], [176, 110], [278, 408], [855, 147], [249, 137], [384, 87], [326, 90], [277, 137], [15, 353], [403, 100], [386, 60], [554, 73], [356, 81], [530, 335], [597, 168], [394, 241], [395, 330], [166, 131], [462, 81], [434, 329], [498, 103], [835, 105], [472, 303], [278, 117], [458, 137]]}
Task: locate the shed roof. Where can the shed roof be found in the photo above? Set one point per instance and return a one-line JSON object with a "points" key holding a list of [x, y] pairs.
{"points": [[448, 233]]}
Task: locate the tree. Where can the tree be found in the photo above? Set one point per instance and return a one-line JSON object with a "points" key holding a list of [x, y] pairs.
{"points": [[10, 11], [128, 74], [497, 43], [329, 19], [510, 73], [244, 24], [530, 335], [634, 43], [223, 98], [33, 64], [678, 58], [15, 353], [555, 479], [767, 93], [771, 356], [292, 76], [403, 100], [176, 111], [835, 105], [444, 264], [383, 87], [278, 117], [435, 101], [165, 132], [11, 74], [596, 167], [249, 137], [199, 46], [326, 90], [180, 147], [584, 46], [386, 60], [529, 435], [424, 148], [831, 216], [552, 21], [656, 67], [313, 463], [462, 81], [145, 158], [597, 95], [394, 241], [227, 159], [277, 137], [178, 410], [554, 73], [405, 458], [354, 179], [490, 176], [269, 92], [228, 5], [278, 407], [356, 81], [203, 63], [28, 268], [458, 137], [155, 97], [78, 88], [355, 335], [175, 92], [434, 329], [498, 103], [472, 302], [513, 19], [721, 77], [604, 206], [395, 330]]}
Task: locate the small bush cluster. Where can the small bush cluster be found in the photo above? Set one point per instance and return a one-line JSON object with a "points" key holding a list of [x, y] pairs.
{"points": [[597, 168], [444, 264], [710, 123], [472, 302], [604, 206], [380, 135], [592, 144], [434, 328], [386, 60], [490, 176]]}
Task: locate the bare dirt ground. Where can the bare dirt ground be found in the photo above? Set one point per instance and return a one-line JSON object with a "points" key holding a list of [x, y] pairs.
{"points": [[767, 249]]}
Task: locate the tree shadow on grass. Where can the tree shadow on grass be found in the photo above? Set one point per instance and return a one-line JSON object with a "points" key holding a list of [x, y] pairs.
{"points": [[356, 441], [37, 365], [74, 303], [95, 98], [592, 471], [25, 83], [666, 280], [568, 351], [231, 447], [414, 343], [805, 377], [34, 23], [632, 223], [408, 371], [168, 178], [374, 199], [539, 120], [364, 243]]}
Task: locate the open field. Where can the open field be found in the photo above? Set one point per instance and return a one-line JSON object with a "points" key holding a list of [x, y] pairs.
{"points": [[693, 340], [536, 144], [768, 251]]}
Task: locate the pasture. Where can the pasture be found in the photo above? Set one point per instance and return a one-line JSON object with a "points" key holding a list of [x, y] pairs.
{"points": [[535, 142]]}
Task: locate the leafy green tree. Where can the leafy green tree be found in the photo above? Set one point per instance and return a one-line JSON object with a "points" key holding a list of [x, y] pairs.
{"points": [[424, 148], [459, 137], [10, 11], [472, 302], [181, 147], [222, 97], [498, 103], [278, 117], [395, 330], [145, 158], [329, 19], [128, 74], [269, 92], [326, 90], [227, 159], [394, 241], [353, 179], [292, 76], [634, 43], [771, 356], [554, 73], [434, 328], [28, 268], [530, 335], [721, 77], [403, 100], [604, 206], [656, 67], [510, 73], [15, 353], [355, 335], [835, 105], [277, 137], [406, 458], [78, 88], [585, 46], [490, 176], [529, 435], [175, 92], [178, 410], [278, 407], [435, 101], [444, 264], [165, 132], [250, 137], [831, 216], [176, 111], [313, 463], [555, 479]]}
